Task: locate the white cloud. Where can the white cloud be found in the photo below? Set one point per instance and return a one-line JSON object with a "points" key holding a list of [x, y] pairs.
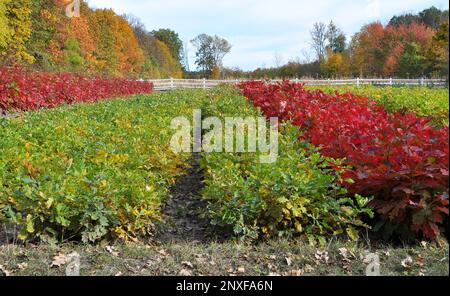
{"points": [[258, 29]]}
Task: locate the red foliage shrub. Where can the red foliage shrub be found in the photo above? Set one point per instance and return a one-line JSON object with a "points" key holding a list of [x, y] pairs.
{"points": [[22, 90], [401, 160]]}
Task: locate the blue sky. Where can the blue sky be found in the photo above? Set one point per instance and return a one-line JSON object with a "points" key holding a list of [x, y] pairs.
{"points": [[261, 31]]}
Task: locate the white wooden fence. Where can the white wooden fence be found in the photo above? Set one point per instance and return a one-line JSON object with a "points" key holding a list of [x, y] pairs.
{"points": [[169, 84]]}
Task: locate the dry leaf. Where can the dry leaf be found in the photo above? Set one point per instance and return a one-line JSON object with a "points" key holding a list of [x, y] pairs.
{"points": [[185, 272], [163, 252], [22, 266], [407, 263], [296, 272], [4, 271], [308, 268], [343, 252], [420, 260], [288, 261], [59, 260], [112, 251], [119, 274], [274, 274], [241, 269], [187, 264], [272, 267], [322, 256]]}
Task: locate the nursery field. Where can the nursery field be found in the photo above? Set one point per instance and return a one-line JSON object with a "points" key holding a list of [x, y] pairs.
{"points": [[351, 177], [422, 101]]}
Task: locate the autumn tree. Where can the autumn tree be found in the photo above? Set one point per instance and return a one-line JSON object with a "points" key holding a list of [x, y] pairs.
{"points": [[159, 60], [117, 50], [17, 30], [172, 40], [438, 55], [5, 31], [334, 63]]}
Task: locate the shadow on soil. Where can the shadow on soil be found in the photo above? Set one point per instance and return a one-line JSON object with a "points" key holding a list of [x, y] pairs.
{"points": [[183, 211]]}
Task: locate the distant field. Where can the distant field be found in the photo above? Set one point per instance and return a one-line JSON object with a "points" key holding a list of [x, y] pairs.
{"points": [[422, 101]]}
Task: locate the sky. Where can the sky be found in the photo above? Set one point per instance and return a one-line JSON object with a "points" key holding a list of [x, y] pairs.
{"points": [[263, 33]]}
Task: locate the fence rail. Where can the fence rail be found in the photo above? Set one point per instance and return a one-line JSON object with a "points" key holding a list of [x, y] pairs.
{"points": [[169, 84]]}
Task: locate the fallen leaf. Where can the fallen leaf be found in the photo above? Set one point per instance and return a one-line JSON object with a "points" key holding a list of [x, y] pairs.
{"points": [[288, 261], [343, 252], [4, 271], [241, 269], [308, 268], [407, 263], [274, 274], [420, 260], [59, 260], [112, 251], [296, 272], [22, 266], [322, 256], [187, 264], [185, 272], [272, 267], [119, 274]]}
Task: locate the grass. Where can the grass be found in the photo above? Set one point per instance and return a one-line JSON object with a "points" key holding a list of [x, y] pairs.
{"points": [[281, 257]]}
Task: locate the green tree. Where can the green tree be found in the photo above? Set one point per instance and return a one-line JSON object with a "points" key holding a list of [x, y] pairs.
{"points": [[172, 40], [433, 17], [336, 38], [412, 61], [73, 55], [210, 52]]}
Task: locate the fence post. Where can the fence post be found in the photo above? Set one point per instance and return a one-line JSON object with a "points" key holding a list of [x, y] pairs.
{"points": [[172, 85], [391, 81], [422, 81], [358, 82], [204, 83]]}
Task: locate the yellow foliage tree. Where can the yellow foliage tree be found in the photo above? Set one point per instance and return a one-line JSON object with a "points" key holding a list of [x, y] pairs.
{"points": [[169, 66], [17, 29], [117, 50], [5, 30], [215, 73], [334, 63]]}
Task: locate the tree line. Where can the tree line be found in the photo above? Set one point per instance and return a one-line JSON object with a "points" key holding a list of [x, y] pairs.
{"points": [[39, 34], [409, 46]]}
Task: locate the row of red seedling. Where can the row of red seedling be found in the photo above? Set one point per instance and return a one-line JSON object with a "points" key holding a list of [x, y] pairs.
{"points": [[400, 160], [22, 90]]}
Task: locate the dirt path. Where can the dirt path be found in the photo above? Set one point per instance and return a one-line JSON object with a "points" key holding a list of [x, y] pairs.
{"points": [[183, 210]]}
